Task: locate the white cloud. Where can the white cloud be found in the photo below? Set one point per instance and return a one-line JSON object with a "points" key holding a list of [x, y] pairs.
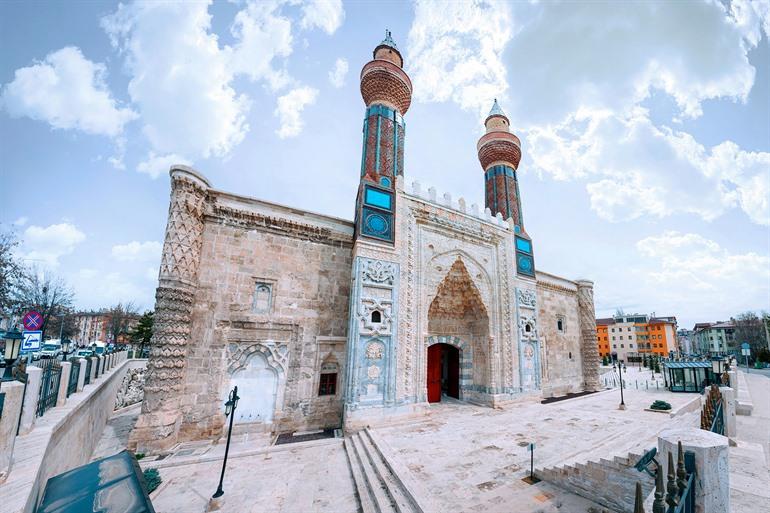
{"points": [[96, 289], [289, 110], [67, 91], [21, 221], [687, 268], [157, 165], [634, 168], [455, 52], [327, 15], [48, 244], [136, 251], [338, 73]]}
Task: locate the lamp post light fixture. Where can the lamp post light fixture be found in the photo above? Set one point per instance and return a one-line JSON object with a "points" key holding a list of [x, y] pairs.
{"points": [[716, 368], [230, 406], [65, 349], [13, 340], [620, 373]]}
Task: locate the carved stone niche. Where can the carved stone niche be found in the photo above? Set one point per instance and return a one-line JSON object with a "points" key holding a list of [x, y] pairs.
{"points": [[376, 316], [527, 328]]}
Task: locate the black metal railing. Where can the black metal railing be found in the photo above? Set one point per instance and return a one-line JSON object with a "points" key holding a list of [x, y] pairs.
{"points": [[72, 386], [712, 415], [677, 495], [88, 371], [49, 385], [20, 374], [97, 363]]}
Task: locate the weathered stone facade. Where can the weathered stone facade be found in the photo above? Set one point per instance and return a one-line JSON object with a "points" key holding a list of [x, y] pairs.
{"points": [[323, 322]]}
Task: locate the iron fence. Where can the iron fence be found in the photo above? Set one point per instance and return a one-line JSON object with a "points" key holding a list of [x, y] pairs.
{"points": [[677, 495], [88, 370], [72, 386], [49, 385], [97, 363], [20, 374], [712, 416]]}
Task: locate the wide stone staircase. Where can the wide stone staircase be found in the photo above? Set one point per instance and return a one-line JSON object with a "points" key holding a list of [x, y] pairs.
{"points": [[382, 485]]}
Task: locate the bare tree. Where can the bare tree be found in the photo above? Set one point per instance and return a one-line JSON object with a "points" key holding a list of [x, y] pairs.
{"points": [[11, 272], [63, 325], [45, 292], [121, 318], [749, 328]]}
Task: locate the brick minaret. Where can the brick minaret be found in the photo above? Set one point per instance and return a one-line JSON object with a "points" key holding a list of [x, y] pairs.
{"points": [[499, 154], [387, 92]]}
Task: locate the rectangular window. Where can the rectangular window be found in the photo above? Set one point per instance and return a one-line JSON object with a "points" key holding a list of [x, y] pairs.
{"points": [[328, 384], [377, 198]]}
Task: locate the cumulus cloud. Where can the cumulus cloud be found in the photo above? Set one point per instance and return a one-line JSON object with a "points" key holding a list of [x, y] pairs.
{"points": [[338, 73], [455, 52], [67, 91], [696, 270], [579, 73], [327, 15], [48, 244], [96, 288], [289, 110], [136, 251], [157, 165], [634, 168]]}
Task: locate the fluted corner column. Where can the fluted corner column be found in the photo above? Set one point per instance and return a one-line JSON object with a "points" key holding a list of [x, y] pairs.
{"points": [[158, 425], [589, 348]]}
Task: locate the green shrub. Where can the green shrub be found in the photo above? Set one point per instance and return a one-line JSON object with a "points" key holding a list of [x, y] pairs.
{"points": [[152, 479], [660, 405], [139, 456]]}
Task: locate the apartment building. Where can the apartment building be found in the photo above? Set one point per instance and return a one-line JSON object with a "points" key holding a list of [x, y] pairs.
{"points": [[716, 338], [632, 335]]}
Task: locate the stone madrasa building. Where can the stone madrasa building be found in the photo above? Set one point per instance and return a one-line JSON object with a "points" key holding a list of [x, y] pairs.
{"points": [[323, 322]]}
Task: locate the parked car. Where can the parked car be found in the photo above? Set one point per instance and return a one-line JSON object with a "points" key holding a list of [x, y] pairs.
{"points": [[50, 351], [84, 353]]}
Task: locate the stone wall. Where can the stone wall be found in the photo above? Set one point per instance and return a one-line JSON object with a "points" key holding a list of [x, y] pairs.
{"points": [[273, 289], [562, 369]]}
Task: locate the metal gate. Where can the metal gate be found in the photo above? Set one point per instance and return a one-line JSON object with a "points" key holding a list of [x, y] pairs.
{"points": [[49, 385]]}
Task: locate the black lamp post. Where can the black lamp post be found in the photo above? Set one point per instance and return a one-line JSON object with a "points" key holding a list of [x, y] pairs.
{"points": [[13, 340], [230, 406], [620, 373], [65, 349]]}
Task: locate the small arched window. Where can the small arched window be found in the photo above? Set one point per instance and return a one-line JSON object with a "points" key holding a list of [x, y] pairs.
{"points": [[560, 325], [376, 317], [527, 328], [570, 355]]}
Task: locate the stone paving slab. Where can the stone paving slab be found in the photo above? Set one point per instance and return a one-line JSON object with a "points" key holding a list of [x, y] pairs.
{"points": [[304, 478]]}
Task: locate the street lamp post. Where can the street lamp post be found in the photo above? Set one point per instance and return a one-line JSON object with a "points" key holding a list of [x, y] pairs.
{"points": [[230, 405], [13, 340], [620, 373], [65, 349]]}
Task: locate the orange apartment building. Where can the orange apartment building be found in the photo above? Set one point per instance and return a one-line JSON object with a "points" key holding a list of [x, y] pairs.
{"points": [[633, 335]]}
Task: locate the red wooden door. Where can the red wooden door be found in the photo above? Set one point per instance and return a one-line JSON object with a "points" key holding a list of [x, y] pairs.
{"points": [[453, 385], [434, 373]]}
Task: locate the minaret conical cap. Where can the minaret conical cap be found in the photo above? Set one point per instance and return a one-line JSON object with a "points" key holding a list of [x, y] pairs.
{"points": [[496, 110]]}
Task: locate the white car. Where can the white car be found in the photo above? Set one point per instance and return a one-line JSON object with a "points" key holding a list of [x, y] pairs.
{"points": [[50, 351]]}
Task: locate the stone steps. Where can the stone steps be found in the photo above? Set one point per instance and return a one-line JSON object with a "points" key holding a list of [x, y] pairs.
{"points": [[380, 488], [609, 482]]}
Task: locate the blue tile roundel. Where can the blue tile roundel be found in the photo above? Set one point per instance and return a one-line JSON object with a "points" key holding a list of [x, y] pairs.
{"points": [[376, 224]]}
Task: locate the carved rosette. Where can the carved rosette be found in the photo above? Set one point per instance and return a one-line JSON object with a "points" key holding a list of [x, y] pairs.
{"points": [[589, 348]]}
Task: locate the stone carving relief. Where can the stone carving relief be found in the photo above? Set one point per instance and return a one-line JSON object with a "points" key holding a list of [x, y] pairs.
{"points": [[374, 350], [373, 372], [527, 328], [527, 298], [589, 349], [276, 353], [370, 326], [378, 271]]}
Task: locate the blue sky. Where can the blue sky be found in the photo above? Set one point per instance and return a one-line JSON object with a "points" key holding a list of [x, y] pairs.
{"points": [[645, 130]]}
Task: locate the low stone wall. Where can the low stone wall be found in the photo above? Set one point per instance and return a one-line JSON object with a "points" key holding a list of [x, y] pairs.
{"points": [[62, 439]]}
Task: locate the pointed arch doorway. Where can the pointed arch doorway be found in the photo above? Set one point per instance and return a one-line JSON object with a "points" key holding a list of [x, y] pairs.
{"points": [[443, 372]]}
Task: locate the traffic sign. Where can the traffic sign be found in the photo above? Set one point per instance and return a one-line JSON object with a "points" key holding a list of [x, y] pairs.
{"points": [[31, 340], [745, 349], [32, 320]]}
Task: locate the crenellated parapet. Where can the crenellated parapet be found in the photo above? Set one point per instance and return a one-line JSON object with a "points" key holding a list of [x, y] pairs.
{"points": [[589, 349], [158, 425]]}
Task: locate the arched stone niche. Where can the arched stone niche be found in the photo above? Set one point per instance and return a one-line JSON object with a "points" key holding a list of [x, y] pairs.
{"points": [[259, 371]]}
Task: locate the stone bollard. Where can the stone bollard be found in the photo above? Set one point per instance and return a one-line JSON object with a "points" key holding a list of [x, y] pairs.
{"points": [[64, 381], [9, 422], [31, 396], [728, 410], [82, 374], [712, 482], [733, 380]]}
